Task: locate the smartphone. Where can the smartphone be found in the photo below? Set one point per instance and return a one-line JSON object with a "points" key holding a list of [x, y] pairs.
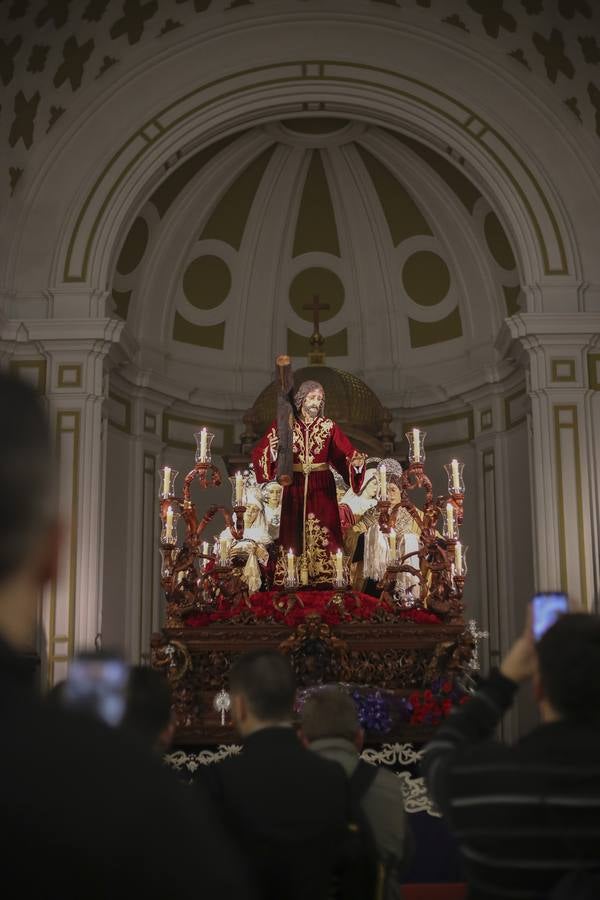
{"points": [[96, 684], [547, 606]]}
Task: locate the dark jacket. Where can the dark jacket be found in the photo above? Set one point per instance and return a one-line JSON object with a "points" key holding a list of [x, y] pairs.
{"points": [[523, 814], [86, 812], [287, 808]]}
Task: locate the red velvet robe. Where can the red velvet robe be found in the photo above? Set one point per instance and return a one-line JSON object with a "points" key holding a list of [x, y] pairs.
{"points": [[321, 442]]}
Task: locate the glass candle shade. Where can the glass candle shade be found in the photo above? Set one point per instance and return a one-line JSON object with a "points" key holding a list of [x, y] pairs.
{"points": [[382, 482], [291, 571], [168, 534], [167, 477], [454, 471], [337, 559], [451, 522], [238, 489], [416, 445], [224, 549], [204, 439], [205, 553], [460, 559]]}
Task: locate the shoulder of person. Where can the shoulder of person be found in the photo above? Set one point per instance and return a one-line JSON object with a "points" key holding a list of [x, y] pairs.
{"points": [[388, 783]]}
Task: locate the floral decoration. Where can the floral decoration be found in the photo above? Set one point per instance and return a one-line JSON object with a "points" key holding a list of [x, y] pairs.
{"points": [[271, 606]]}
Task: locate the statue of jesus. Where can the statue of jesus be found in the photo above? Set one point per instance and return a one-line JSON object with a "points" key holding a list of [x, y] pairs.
{"points": [[310, 521]]}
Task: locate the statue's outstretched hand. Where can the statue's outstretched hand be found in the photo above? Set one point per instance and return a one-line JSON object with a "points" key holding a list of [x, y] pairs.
{"points": [[358, 459]]}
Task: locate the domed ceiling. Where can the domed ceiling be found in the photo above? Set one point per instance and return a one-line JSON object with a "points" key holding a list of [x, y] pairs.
{"points": [[404, 253], [52, 51]]}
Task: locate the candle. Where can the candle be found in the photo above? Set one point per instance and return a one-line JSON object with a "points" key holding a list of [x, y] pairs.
{"points": [[416, 444], [239, 484], [392, 540], [224, 550], [169, 526], [339, 563], [455, 475], [166, 481], [382, 482], [458, 560], [450, 519], [291, 565], [203, 443]]}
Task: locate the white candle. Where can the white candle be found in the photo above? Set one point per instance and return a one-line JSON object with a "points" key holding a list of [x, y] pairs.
{"points": [[291, 565], [223, 550], [166, 481], [416, 444], [339, 565], [458, 561], [169, 525], [450, 519], [238, 487], [455, 475], [392, 540], [203, 445], [383, 482]]}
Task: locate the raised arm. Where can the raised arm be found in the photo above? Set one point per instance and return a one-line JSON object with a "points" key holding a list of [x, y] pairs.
{"points": [[346, 459], [264, 455]]}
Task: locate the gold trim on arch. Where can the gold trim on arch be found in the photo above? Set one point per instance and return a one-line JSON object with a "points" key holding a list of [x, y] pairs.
{"points": [[298, 70]]}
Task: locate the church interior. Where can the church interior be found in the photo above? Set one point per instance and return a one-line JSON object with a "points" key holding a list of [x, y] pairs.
{"points": [[397, 199]]}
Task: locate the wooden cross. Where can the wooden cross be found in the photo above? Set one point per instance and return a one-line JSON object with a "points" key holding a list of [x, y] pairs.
{"points": [[316, 308]]}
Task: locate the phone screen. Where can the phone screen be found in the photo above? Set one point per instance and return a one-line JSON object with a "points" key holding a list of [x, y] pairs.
{"points": [[98, 685], [547, 607]]}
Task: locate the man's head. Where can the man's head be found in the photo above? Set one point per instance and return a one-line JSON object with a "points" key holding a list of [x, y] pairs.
{"points": [[567, 685], [310, 399], [28, 530], [148, 711], [331, 713], [262, 689]]}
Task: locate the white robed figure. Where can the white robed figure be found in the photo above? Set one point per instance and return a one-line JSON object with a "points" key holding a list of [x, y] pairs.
{"points": [[377, 554], [253, 545]]}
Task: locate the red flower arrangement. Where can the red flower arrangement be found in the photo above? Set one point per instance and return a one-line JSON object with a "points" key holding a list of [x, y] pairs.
{"points": [[261, 609], [427, 708]]}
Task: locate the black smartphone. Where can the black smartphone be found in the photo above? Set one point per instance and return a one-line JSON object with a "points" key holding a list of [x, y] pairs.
{"points": [[96, 684], [547, 606]]}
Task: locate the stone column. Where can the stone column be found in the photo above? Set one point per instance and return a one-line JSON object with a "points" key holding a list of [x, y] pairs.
{"points": [[557, 351], [71, 358]]}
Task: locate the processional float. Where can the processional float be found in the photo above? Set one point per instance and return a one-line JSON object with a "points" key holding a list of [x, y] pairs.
{"points": [[396, 645]]}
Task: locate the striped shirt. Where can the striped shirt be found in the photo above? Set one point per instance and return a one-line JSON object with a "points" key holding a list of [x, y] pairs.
{"points": [[524, 815]]}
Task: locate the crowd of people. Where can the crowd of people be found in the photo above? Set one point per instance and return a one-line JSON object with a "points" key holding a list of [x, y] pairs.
{"points": [[89, 808]]}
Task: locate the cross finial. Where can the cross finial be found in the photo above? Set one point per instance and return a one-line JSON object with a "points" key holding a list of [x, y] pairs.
{"points": [[316, 355]]}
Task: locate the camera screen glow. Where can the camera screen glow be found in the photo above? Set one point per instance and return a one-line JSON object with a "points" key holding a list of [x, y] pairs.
{"points": [[546, 610], [98, 686]]}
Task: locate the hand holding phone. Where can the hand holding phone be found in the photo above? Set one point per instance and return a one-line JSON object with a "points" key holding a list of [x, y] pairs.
{"points": [[97, 684], [546, 607]]}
